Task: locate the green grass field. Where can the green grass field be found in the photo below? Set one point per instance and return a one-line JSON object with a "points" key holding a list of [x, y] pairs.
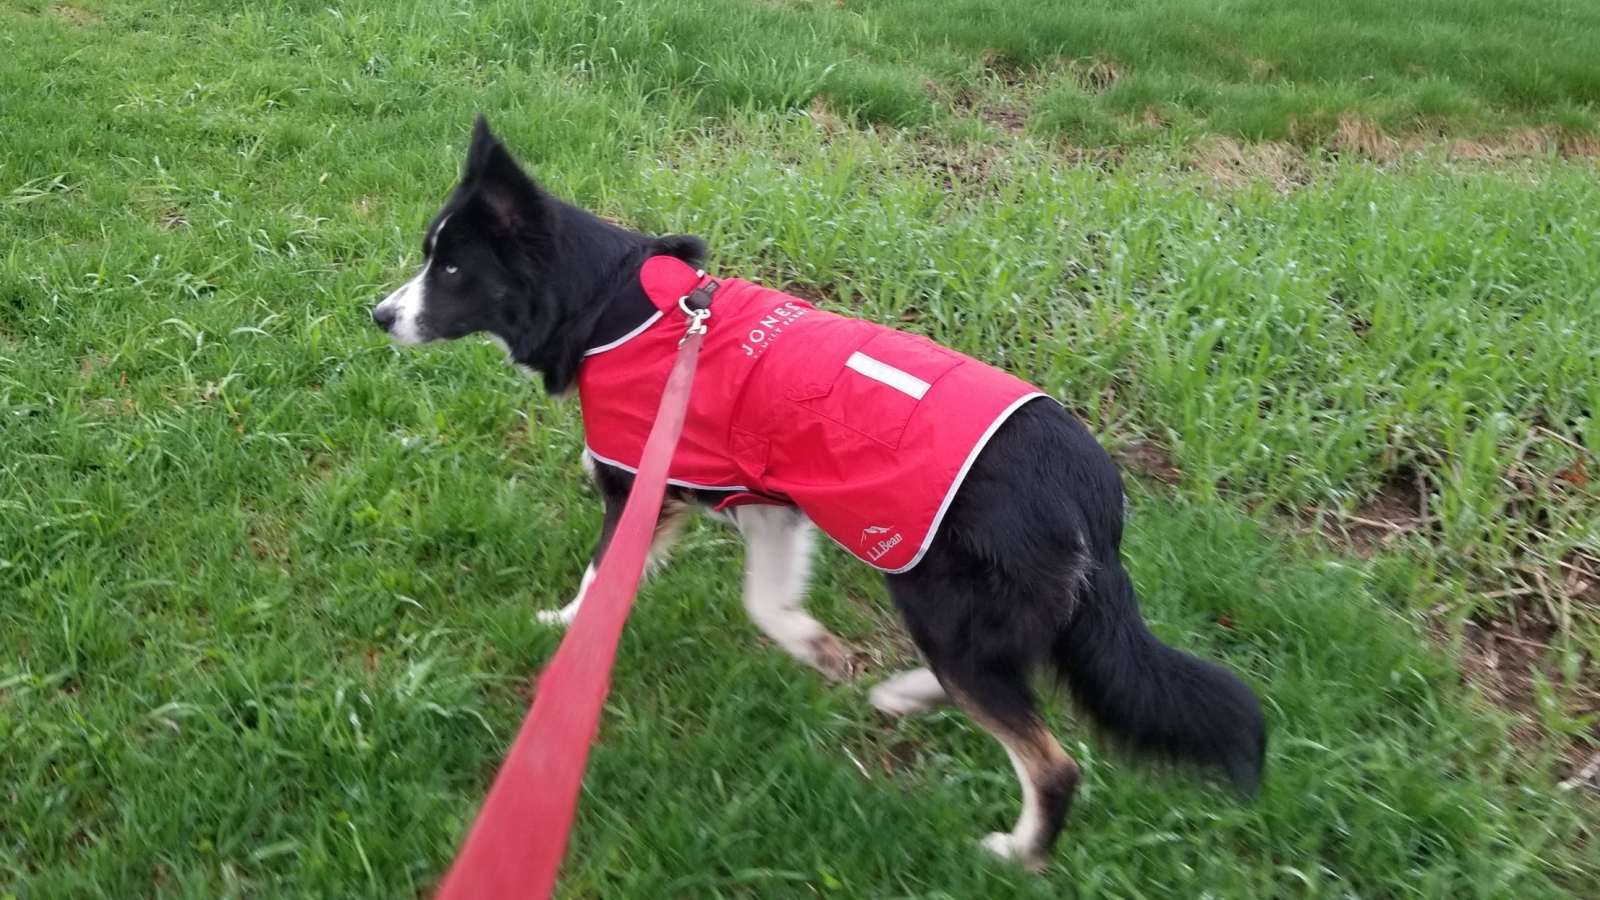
{"points": [[267, 581]]}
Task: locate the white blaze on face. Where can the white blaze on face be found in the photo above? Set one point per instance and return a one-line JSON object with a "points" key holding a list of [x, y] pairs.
{"points": [[406, 306], [406, 302]]}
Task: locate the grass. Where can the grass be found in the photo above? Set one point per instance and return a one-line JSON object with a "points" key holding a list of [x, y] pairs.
{"points": [[1268, 70], [266, 580]]}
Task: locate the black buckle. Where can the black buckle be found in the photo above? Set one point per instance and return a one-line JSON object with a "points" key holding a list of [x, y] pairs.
{"points": [[700, 297]]}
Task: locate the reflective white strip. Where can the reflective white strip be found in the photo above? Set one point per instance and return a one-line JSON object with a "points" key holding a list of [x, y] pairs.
{"points": [[625, 338], [904, 382]]}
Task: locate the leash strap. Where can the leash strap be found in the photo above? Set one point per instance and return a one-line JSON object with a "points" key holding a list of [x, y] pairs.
{"points": [[515, 846]]}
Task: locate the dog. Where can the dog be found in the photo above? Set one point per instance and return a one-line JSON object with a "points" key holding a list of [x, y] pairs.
{"points": [[1018, 571]]}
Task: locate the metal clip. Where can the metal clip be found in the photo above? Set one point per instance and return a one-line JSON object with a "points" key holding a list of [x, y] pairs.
{"points": [[697, 319], [698, 313]]}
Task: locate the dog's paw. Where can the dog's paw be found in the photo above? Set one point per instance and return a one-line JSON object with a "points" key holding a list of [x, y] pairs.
{"points": [[556, 618], [830, 656], [1004, 845], [885, 699], [907, 694]]}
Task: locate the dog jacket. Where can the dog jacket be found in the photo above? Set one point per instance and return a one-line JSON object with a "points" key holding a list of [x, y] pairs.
{"points": [[868, 430]]}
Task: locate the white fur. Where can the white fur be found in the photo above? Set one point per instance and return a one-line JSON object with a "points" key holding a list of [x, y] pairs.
{"points": [[660, 551], [561, 618], [1019, 845], [406, 304], [777, 568], [908, 693], [778, 547], [408, 299]]}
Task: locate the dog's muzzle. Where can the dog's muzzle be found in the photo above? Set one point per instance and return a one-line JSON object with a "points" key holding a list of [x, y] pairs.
{"points": [[400, 313], [383, 315]]}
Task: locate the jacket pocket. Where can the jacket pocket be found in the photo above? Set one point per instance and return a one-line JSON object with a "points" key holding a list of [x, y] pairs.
{"points": [[880, 385]]}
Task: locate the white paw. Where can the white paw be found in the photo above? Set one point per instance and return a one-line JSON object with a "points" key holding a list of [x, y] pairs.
{"points": [[907, 693], [887, 698], [1004, 845], [556, 618], [561, 618]]}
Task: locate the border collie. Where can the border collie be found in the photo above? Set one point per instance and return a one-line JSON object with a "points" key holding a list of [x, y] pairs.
{"points": [[1020, 573]]}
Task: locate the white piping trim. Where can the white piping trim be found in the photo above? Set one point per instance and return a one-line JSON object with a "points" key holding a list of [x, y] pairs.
{"points": [[625, 338], [938, 518], [880, 371], [674, 481]]}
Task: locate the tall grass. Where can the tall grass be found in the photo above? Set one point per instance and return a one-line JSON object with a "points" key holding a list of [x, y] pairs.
{"points": [[266, 581]]}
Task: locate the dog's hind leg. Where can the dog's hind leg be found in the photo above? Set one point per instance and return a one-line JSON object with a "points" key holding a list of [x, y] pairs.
{"points": [[1000, 700], [984, 667], [777, 567], [908, 693]]}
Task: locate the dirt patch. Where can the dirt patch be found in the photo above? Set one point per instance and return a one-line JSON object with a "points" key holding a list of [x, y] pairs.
{"points": [[1148, 461], [1501, 665], [172, 218], [883, 751], [1234, 165], [883, 648], [77, 16], [1011, 118], [1005, 118], [1399, 507], [1514, 667]]}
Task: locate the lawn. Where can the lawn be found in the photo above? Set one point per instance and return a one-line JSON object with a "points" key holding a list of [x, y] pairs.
{"points": [[267, 581]]}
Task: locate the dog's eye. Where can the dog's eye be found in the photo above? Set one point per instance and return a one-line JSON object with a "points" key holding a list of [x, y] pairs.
{"points": [[449, 270]]}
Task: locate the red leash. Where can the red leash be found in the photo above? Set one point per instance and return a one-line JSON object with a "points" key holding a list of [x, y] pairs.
{"points": [[515, 846]]}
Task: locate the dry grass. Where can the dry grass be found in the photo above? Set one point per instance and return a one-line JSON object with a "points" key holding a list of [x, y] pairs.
{"points": [[77, 16], [1359, 136], [1235, 165], [1093, 75]]}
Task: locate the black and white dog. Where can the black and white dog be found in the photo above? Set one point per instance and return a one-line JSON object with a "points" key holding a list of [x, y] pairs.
{"points": [[1023, 576]]}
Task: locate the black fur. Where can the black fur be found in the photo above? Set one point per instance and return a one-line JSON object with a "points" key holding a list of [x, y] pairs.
{"points": [[1024, 576], [547, 278], [1026, 572]]}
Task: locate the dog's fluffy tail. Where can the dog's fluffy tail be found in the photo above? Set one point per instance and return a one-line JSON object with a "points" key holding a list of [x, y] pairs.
{"points": [[1153, 698]]}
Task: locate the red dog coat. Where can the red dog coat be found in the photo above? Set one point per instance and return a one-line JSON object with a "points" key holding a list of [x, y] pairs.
{"points": [[868, 430]]}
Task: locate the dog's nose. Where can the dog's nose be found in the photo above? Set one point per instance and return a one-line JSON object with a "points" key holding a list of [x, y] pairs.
{"points": [[383, 315]]}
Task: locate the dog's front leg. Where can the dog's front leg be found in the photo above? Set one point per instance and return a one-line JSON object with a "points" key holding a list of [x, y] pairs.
{"points": [[614, 485], [777, 567]]}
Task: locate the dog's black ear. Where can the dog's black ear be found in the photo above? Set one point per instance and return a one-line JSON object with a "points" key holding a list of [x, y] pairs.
{"points": [[483, 141], [686, 247], [512, 198]]}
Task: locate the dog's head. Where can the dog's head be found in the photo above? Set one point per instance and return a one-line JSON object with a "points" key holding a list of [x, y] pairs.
{"points": [[478, 271]]}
